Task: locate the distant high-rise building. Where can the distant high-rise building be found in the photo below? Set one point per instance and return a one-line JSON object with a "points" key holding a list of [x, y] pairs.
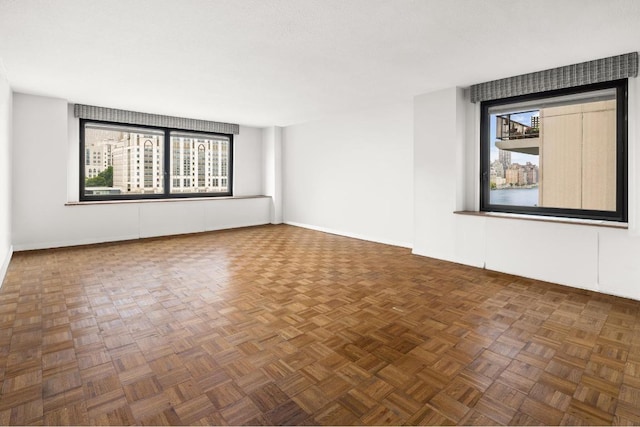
{"points": [[97, 151], [512, 174], [497, 166], [531, 171], [137, 164], [519, 175], [535, 121], [504, 157]]}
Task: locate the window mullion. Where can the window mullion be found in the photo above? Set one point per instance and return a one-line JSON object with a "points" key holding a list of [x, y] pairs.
{"points": [[167, 162]]}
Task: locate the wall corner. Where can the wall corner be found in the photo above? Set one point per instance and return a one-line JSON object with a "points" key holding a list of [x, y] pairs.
{"points": [[272, 180]]}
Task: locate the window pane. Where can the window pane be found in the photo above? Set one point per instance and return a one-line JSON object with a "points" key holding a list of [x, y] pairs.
{"points": [[555, 153], [121, 160], [199, 163]]}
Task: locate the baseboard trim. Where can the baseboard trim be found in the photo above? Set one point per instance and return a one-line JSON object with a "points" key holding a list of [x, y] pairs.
{"points": [[78, 242], [5, 265], [462, 261], [351, 235]]}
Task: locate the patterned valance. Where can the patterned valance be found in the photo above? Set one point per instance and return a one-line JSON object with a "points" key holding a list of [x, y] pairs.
{"points": [[597, 71], [135, 118]]}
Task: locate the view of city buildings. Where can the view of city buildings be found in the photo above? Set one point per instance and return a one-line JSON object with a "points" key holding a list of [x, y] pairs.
{"points": [[561, 154], [505, 174], [119, 161], [514, 170]]}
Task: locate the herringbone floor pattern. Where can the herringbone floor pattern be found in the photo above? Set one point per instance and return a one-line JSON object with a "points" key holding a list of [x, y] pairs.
{"points": [[282, 325]]}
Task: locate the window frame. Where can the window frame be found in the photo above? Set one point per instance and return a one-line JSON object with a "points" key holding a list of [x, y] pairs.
{"points": [[621, 212], [166, 172]]}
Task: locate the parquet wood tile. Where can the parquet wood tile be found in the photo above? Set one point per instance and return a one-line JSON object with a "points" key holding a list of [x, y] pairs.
{"points": [[278, 325]]}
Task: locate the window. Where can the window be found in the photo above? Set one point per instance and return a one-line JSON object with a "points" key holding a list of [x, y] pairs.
{"points": [[560, 153], [190, 174], [122, 174]]}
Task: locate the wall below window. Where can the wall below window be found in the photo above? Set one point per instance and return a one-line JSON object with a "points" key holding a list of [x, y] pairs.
{"points": [[589, 257], [45, 178], [351, 174], [5, 174]]}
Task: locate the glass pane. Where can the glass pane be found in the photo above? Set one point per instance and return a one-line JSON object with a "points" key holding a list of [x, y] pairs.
{"points": [[122, 160], [558, 152], [199, 163]]}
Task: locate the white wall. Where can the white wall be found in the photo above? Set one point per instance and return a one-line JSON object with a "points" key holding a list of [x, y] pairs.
{"points": [[439, 177], [352, 175], [6, 107], [45, 177], [272, 157], [248, 166], [584, 256]]}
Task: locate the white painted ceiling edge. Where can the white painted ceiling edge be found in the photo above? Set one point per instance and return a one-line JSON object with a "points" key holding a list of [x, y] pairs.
{"points": [[281, 62]]}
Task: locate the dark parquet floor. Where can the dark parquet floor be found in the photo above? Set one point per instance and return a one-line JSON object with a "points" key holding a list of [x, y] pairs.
{"points": [[283, 325]]}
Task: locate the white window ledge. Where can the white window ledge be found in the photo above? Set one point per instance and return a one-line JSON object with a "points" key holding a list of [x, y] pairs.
{"points": [[177, 199], [554, 219]]}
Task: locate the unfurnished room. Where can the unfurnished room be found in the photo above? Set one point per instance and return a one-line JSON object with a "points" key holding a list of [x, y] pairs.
{"points": [[319, 212]]}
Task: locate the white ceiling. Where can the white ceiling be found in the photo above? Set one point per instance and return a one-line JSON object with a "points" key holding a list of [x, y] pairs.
{"points": [[281, 62]]}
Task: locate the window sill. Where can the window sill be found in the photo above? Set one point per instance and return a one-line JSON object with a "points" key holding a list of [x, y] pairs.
{"points": [[185, 199], [556, 220]]}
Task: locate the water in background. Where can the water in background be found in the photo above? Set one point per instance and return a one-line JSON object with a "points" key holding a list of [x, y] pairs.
{"points": [[514, 196]]}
